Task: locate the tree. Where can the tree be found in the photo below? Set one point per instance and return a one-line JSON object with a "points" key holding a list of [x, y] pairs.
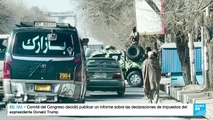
{"points": [[4, 17], [9, 16], [182, 17], [117, 18], [207, 33]]}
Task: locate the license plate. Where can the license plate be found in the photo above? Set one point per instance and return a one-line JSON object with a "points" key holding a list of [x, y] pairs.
{"points": [[44, 88], [100, 75], [64, 76], [40, 97]]}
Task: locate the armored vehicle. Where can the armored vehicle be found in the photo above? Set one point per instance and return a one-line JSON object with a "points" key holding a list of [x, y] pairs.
{"points": [[130, 61]]}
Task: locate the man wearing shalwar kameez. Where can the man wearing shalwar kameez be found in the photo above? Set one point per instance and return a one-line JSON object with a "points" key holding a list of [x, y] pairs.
{"points": [[151, 72]]}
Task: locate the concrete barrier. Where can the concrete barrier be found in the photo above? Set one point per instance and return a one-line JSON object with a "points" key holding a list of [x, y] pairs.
{"points": [[177, 93], [191, 94]]}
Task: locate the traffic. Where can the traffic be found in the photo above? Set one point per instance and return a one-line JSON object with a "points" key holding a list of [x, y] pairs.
{"points": [[45, 62]]}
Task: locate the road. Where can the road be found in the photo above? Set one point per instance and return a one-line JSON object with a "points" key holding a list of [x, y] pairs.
{"points": [[132, 95]]}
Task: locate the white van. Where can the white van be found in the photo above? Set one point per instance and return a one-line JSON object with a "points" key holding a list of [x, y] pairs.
{"points": [[3, 44]]}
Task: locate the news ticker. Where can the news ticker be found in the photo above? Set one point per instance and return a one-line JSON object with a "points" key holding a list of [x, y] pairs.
{"points": [[106, 109]]}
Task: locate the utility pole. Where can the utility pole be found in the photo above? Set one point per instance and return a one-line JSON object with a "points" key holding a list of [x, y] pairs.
{"points": [[192, 58], [205, 39], [203, 60], [206, 56]]}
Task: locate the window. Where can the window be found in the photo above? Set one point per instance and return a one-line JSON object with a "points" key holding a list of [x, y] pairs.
{"points": [[2, 49], [37, 44], [105, 62]]}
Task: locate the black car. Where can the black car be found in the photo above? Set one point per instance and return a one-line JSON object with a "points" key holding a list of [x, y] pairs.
{"points": [[44, 62], [105, 74]]}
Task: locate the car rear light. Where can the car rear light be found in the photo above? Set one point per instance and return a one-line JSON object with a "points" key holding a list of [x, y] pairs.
{"points": [[7, 71], [116, 75], [9, 60], [78, 73], [77, 58]]}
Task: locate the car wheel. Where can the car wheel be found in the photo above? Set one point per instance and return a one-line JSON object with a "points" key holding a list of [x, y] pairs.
{"points": [[80, 100], [68, 100], [64, 100], [121, 92], [1, 99], [135, 79]]}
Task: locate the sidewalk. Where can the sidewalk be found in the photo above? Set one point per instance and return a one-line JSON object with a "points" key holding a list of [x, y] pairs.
{"points": [[189, 94]]}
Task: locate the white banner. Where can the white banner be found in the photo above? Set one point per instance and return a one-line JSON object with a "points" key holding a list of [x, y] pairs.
{"points": [[106, 109]]}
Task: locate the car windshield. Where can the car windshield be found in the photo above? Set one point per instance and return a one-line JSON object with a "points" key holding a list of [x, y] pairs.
{"points": [[105, 62], [37, 44]]}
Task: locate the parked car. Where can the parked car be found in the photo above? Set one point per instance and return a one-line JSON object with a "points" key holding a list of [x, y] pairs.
{"points": [[44, 62], [3, 43], [105, 74]]}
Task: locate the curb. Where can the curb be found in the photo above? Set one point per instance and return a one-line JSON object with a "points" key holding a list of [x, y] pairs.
{"points": [[191, 96]]}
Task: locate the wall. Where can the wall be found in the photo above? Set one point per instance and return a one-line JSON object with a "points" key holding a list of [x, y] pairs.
{"points": [[171, 63]]}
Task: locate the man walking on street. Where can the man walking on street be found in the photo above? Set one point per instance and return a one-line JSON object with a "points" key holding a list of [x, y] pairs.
{"points": [[151, 72]]}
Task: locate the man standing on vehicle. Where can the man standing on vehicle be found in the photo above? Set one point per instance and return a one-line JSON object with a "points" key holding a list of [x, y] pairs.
{"points": [[151, 72], [134, 36]]}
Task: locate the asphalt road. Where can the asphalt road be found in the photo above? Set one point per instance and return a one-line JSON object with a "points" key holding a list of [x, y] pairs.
{"points": [[132, 95]]}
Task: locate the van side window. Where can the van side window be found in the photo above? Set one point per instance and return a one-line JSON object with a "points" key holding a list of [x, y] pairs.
{"points": [[2, 49]]}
